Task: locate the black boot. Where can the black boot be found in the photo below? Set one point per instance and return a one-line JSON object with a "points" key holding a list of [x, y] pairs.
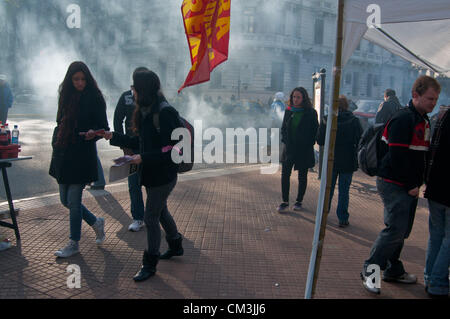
{"points": [[148, 269], [175, 248]]}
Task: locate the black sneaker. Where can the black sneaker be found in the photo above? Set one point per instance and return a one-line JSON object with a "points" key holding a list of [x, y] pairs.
{"points": [[403, 279], [98, 187], [283, 208], [298, 206], [368, 285], [343, 223]]}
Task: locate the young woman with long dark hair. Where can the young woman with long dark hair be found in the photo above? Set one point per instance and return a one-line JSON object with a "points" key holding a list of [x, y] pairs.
{"points": [[298, 133], [158, 173], [81, 111]]}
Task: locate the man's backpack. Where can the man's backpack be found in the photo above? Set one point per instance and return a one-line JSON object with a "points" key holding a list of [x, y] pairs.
{"points": [[370, 149], [183, 167]]}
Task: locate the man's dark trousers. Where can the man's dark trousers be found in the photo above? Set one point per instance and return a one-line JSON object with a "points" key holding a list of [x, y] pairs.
{"points": [[399, 213]]}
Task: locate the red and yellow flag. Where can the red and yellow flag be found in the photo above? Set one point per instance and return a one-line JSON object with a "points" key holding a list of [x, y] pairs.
{"points": [[207, 26]]}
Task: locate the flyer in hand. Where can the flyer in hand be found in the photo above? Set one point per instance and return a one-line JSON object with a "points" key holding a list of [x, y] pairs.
{"points": [[122, 168]]}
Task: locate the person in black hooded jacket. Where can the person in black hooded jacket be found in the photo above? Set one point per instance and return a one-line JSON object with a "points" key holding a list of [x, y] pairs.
{"points": [[81, 111], [349, 132], [158, 172]]}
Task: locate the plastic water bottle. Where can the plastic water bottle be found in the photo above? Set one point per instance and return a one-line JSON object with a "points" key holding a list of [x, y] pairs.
{"points": [[15, 135], [3, 136]]}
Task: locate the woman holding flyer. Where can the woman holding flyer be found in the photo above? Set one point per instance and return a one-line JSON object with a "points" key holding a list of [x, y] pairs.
{"points": [[153, 123], [81, 111]]}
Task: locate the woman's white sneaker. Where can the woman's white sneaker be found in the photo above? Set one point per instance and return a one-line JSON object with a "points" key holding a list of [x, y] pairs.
{"points": [[99, 228], [70, 250], [136, 225]]}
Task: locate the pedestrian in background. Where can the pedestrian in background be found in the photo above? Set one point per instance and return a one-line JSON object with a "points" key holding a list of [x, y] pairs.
{"points": [[6, 98], [81, 111], [437, 193], [348, 133], [386, 109], [123, 114], [298, 133]]}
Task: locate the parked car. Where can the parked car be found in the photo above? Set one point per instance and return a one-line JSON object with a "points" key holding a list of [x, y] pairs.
{"points": [[367, 111], [26, 96]]}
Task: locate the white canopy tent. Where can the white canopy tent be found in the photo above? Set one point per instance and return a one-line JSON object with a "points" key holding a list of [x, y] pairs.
{"points": [[416, 30]]}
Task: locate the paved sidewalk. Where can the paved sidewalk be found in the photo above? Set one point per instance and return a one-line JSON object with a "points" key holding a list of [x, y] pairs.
{"points": [[236, 244]]}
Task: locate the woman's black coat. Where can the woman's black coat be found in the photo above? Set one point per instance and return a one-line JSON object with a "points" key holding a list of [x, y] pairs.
{"points": [[157, 168], [301, 149], [77, 163]]}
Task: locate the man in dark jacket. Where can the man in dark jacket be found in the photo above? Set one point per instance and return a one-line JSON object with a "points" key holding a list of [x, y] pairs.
{"points": [[407, 139], [6, 99], [390, 105], [124, 112], [437, 178], [349, 132]]}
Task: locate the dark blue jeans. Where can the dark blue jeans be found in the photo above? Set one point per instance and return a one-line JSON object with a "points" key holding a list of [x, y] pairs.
{"points": [[345, 180], [101, 177], [399, 213], [156, 212], [438, 252], [71, 196], [137, 202]]}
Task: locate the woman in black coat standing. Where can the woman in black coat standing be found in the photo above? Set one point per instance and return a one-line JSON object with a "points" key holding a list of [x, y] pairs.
{"points": [[348, 133], [153, 123], [298, 133], [81, 111]]}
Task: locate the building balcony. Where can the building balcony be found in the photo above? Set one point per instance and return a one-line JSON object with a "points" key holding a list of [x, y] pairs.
{"points": [[272, 41], [366, 57]]}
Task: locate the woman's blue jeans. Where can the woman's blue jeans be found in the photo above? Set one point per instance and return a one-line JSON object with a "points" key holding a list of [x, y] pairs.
{"points": [[438, 252], [71, 195], [345, 180]]}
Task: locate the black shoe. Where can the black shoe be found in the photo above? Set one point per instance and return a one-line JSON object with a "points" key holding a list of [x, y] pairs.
{"points": [[434, 296], [403, 279], [343, 223], [175, 248], [283, 208], [148, 268], [98, 187], [298, 206], [368, 285]]}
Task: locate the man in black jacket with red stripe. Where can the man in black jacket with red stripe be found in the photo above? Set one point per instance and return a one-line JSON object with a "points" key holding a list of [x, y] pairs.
{"points": [[400, 177]]}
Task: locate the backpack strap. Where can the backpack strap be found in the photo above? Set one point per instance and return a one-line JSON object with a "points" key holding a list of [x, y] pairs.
{"points": [[162, 105]]}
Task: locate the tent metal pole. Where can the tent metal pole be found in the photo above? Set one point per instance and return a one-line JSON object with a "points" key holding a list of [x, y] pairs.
{"points": [[325, 187], [406, 49]]}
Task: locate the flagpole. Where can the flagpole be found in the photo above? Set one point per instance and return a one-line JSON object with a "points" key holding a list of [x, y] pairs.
{"points": [[325, 185]]}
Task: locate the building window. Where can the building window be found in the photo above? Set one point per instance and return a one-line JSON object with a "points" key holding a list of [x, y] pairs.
{"points": [[355, 87], [369, 85], [216, 80], [249, 22], [348, 78], [162, 66], [376, 80], [277, 78], [391, 82], [371, 47], [318, 31]]}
